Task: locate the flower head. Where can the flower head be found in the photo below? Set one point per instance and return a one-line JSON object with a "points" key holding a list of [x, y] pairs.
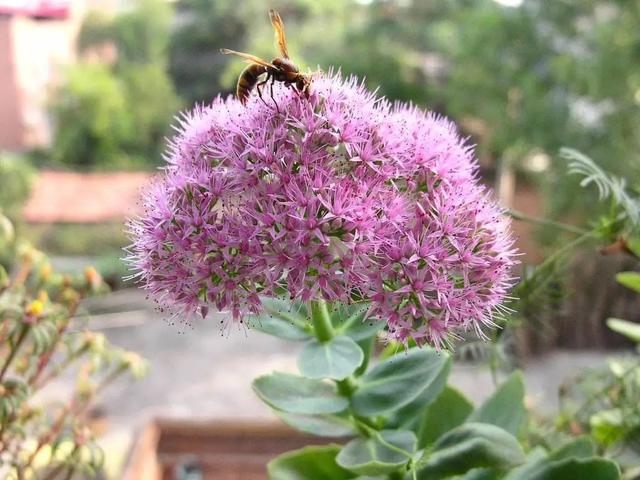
{"points": [[342, 196]]}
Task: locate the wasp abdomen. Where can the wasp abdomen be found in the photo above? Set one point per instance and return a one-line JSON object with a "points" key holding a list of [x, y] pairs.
{"points": [[248, 80]]}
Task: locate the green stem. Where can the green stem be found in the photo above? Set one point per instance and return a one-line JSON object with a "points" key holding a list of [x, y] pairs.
{"points": [[323, 329], [321, 320], [567, 248], [347, 386], [523, 217], [14, 350]]}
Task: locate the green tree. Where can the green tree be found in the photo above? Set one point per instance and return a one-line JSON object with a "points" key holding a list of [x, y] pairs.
{"points": [[118, 115], [153, 103], [92, 118], [140, 34]]}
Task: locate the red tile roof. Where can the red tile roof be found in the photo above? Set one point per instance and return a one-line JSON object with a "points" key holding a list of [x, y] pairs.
{"points": [[84, 197]]}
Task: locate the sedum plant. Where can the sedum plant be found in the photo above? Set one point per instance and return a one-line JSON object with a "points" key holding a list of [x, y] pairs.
{"points": [[41, 338], [396, 418], [333, 220]]}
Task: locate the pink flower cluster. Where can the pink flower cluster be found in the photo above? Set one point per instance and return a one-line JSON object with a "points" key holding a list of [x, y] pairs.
{"points": [[342, 196]]}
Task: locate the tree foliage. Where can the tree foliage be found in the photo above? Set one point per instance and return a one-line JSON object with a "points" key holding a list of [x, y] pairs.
{"points": [[117, 115]]}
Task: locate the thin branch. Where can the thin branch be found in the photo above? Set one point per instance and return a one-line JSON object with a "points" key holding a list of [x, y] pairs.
{"points": [[523, 217]]}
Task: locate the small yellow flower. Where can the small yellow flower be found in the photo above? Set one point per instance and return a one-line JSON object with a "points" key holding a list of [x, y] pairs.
{"points": [[35, 308]]}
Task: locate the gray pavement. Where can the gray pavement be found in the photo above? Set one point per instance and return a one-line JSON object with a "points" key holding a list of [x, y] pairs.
{"points": [[199, 373]]}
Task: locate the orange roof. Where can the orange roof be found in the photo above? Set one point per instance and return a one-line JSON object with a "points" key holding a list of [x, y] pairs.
{"points": [[84, 197]]}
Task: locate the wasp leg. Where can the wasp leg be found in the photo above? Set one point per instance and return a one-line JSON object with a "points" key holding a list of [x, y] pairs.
{"points": [[273, 79], [259, 90]]}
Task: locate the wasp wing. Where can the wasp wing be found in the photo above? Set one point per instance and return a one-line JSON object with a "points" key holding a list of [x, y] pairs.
{"points": [[278, 25], [248, 57]]}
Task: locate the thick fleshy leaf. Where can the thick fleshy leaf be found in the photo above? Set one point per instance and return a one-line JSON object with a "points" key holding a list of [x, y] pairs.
{"points": [[471, 446], [370, 456], [295, 394], [335, 359], [398, 380], [592, 468], [408, 416], [449, 410], [539, 463], [631, 330], [581, 447], [350, 320], [320, 425], [309, 462], [368, 348], [536, 458], [482, 474], [505, 408], [630, 280], [282, 319]]}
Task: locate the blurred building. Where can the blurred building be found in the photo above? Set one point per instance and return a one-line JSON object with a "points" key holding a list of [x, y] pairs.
{"points": [[96, 197], [37, 38]]}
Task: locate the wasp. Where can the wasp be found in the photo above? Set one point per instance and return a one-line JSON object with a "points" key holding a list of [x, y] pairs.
{"points": [[280, 69]]}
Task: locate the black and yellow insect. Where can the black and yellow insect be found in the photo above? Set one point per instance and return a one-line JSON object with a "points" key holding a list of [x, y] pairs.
{"points": [[280, 69]]}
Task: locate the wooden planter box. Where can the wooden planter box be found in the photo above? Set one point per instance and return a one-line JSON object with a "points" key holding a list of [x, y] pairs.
{"points": [[210, 450]]}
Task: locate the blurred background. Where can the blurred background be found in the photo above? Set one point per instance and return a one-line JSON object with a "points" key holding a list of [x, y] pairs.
{"points": [[89, 89]]}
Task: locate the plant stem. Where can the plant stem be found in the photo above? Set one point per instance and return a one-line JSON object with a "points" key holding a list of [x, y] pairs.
{"points": [[14, 350], [523, 217], [321, 320], [567, 248], [323, 329]]}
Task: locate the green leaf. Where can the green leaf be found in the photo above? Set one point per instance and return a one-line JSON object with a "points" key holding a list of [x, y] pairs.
{"points": [[630, 330], [368, 348], [372, 456], [634, 245], [282, 319], [593, 468], [505, 408], [581, 447], [335, 359], [309, 462], [398, 380], [350, 320], [320, 425], [363, 330], [295, 394], [449, 410], [536, 459], [407, 416], [538, 462], [608, 426], [630, 280], [470, 446], [482, 474]]}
